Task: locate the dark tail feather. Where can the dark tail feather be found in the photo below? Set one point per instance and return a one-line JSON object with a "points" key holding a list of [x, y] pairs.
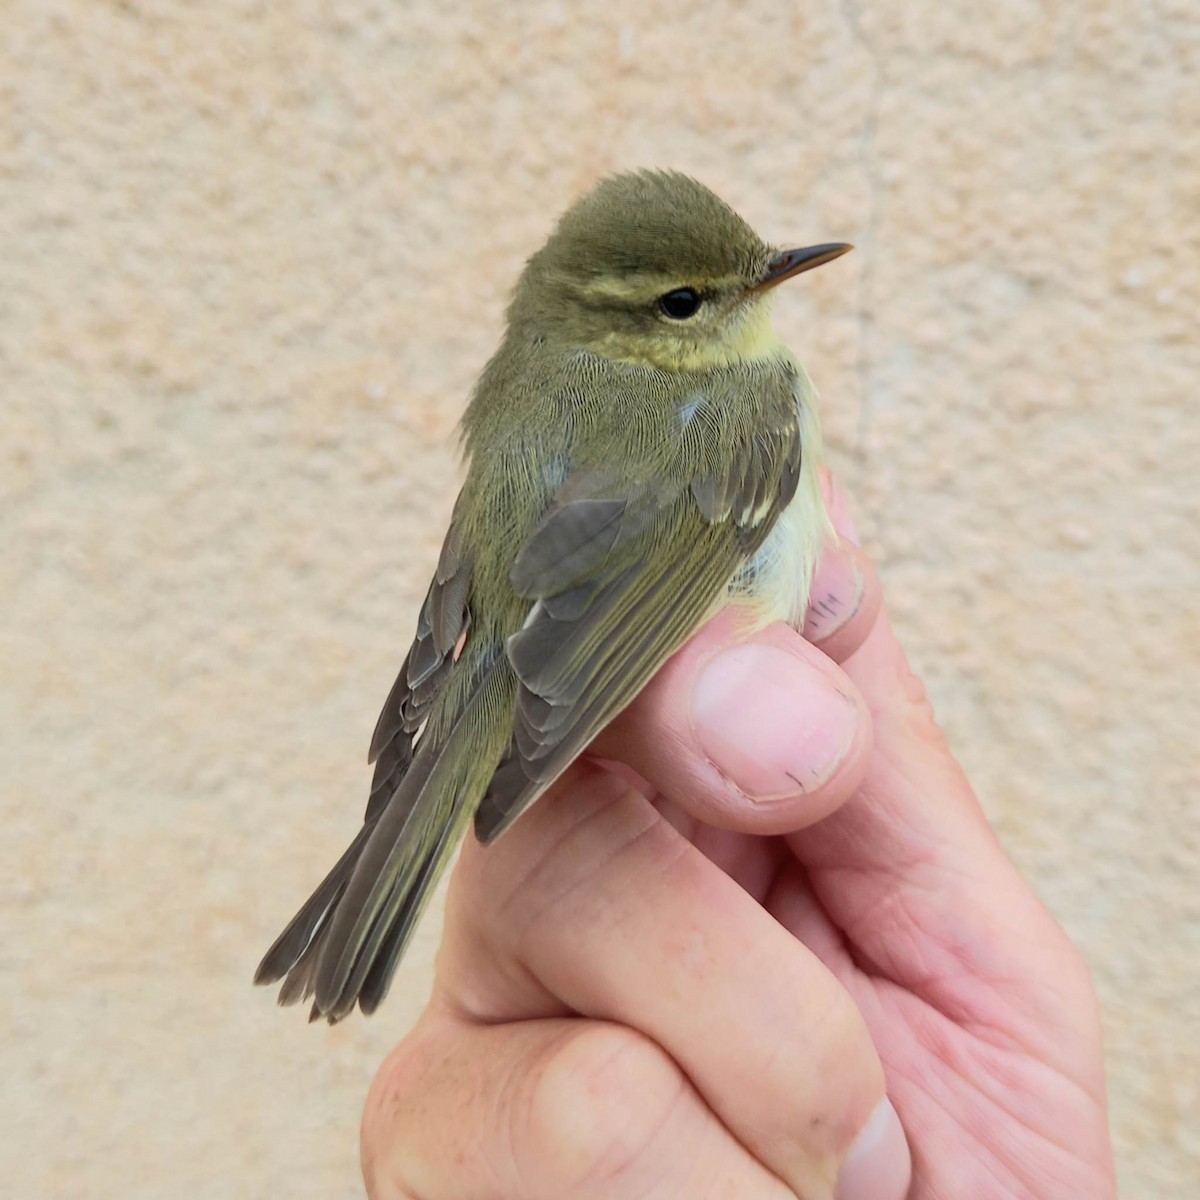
{"points": [[377, 962], [344, 945], [412, 842], [296, 954], [299, 938], [379, 977], [299, 982]]}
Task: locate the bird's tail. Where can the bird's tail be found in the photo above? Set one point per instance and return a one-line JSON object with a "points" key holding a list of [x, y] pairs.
{"points": [[343, 946]]}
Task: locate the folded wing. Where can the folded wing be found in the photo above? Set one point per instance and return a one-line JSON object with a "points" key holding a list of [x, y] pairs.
{"points": [[618, 576]]}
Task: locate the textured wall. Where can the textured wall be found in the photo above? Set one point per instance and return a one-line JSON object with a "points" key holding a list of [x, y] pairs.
{"points": [[251, 257]]}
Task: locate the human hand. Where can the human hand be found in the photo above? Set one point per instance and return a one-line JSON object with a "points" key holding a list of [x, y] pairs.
{"points": [[691, 975]]}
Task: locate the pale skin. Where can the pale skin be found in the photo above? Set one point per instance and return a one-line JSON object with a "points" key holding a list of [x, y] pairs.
{"points": [[698, 968]]}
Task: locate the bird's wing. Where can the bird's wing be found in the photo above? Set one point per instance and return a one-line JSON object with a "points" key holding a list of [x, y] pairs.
{"points": [[444, 620], [618, 577]]}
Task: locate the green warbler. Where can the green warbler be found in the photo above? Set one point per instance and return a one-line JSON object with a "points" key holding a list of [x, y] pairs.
{"points": [[643, 451]]}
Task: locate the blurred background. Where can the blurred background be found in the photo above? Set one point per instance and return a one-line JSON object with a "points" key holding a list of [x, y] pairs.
{"points": [[252, 257]]}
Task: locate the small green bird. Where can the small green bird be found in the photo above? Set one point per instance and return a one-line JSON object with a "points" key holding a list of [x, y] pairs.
{"points": [[643, 451]]}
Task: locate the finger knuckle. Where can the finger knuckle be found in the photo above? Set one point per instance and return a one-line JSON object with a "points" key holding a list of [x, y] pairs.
{"points": [[593, 1107]]}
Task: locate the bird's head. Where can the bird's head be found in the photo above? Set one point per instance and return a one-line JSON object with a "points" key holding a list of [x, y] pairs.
{"points": [[653, 268]]}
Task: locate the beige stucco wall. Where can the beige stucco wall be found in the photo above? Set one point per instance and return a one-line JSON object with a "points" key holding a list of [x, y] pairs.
{"points": [[251, 257]]}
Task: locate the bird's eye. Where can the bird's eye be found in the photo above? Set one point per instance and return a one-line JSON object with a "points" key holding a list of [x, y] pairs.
{"points": [[680, 304]]}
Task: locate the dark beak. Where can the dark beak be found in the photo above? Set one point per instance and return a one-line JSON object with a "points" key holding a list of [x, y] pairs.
{"points": [[793, 262]]}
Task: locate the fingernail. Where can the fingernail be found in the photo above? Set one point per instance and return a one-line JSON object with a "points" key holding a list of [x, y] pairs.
{"points": [[878, 1166], [837, 591], [770, 723]]}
